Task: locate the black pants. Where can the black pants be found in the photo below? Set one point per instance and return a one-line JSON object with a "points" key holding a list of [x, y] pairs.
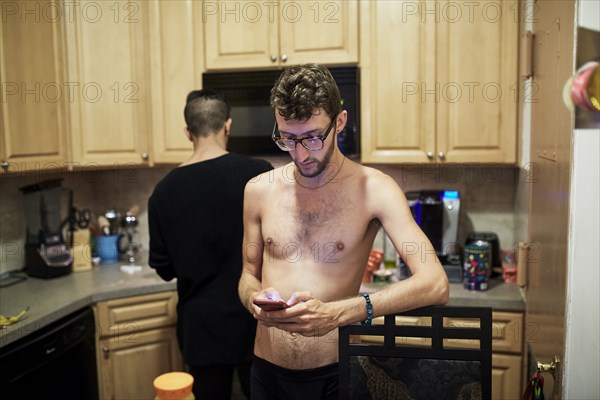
{"points": [[215, 381], [272, 382]]}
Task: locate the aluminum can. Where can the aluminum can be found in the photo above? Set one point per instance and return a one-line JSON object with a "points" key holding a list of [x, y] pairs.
{"points": [[477, 265]]}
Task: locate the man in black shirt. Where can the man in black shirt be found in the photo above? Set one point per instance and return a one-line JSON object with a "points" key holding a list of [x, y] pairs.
{"points": [[195, 223]]}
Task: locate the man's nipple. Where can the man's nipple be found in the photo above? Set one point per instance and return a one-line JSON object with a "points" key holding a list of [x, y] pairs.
{"points": [[340, 245]]}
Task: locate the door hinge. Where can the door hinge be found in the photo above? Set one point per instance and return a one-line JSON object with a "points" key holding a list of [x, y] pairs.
{"points": [[526, 66]]}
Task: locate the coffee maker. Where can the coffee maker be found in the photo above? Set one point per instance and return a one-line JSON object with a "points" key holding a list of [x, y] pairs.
{"points": [[47, 208], [437, 214]]}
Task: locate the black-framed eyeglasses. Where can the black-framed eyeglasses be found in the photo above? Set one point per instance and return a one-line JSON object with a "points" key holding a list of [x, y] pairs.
{"points": [[310, 143]]}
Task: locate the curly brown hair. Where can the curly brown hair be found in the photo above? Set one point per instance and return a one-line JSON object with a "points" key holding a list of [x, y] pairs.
{"points": [[303, 89]]}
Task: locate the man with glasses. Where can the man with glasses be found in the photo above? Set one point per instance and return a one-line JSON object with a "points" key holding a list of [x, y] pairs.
{"points": [[308, 232]]}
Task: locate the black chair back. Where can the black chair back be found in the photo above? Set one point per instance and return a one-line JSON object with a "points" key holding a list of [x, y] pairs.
{"points": [[445, 352]]}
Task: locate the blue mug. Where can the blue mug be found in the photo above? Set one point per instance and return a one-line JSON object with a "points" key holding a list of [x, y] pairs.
{"points": [[107, 248]]}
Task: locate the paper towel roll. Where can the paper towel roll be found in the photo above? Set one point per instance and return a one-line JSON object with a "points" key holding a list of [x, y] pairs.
{"points": [[522, 264]]}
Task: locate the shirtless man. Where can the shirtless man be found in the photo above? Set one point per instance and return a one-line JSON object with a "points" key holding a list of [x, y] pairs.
{"points": [[308, 231]]}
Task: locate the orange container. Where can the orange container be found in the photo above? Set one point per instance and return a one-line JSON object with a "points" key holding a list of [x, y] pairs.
{"points": [[174, 386]]}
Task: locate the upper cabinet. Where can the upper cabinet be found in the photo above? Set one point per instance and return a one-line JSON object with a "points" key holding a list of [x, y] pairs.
{"points": [[103, 83], [97, 84], [33, 126], [176, 69], [247, 35], [107, 52], [439, 81]]}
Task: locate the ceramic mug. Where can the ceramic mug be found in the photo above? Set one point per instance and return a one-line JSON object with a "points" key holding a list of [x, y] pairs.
{"points": [[107, 248]]}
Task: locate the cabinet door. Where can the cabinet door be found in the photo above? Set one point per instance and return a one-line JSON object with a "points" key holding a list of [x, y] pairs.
{"points": [[107, 56], [397, 74], [177, 65], [506, 377], [134, 314], [128, 364], [240, 34], [318, 31], [477, 81], [32, 111]]}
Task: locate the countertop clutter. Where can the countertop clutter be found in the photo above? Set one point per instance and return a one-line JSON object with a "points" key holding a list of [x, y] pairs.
{"points": [[51, 299]]}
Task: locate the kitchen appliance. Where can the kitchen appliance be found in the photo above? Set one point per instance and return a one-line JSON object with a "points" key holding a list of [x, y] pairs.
{"points": [[437, 214], [48, 208], [54, 362], [248, 93], [131, 248]]}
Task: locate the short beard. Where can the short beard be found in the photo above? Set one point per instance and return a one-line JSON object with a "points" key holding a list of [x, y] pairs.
{"points": [[321, 165]]}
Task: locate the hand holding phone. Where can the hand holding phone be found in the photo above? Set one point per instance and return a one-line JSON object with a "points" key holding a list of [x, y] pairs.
{"points": [[270, 304]]}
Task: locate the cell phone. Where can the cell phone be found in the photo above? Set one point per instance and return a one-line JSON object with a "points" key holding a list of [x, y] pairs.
{"points": [[270, 304]]}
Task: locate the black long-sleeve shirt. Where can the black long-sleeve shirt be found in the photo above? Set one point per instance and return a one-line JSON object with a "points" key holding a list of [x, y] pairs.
{"points": [[196, 230]]}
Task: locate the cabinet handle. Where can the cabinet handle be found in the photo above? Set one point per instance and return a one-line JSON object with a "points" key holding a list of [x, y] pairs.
{"points": [[273, 58], [106, 352], [283, 58], [4, 165], [145, 156], [442, 155], [430, 155]]}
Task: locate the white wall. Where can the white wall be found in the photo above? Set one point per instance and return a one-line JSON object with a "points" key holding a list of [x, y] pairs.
{"points": [[582, 352], [589, 14]]}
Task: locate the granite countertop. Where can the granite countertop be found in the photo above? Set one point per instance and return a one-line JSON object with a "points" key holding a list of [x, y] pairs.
{"points": [[500, 296], [52, 299]]}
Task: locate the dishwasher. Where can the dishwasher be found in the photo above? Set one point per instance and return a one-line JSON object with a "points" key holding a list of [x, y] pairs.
{"points": [[54, 362]]}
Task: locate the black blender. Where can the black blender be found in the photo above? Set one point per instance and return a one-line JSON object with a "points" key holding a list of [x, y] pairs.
{"points": [[47, 208]]}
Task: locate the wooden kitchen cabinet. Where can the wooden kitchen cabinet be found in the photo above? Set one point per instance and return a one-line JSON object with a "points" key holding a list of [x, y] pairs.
{"points": [[507, 347], [136, 342], [507, 352], [176, 69], [33, 122], [506, 373], [98, 84], [439, 81], [108, 65], [278, 33]]}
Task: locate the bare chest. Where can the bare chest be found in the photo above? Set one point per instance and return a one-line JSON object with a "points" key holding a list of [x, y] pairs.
{"points": [[325, 223]]}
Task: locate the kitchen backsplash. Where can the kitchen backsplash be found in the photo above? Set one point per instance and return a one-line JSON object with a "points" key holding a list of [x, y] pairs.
{"points": [[489, 198]]}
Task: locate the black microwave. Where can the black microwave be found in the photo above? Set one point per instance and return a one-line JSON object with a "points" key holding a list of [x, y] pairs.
{"points": [[248, 93]]}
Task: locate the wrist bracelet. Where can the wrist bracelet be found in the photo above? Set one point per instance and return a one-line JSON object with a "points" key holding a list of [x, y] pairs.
{"points": [[369, 308]]}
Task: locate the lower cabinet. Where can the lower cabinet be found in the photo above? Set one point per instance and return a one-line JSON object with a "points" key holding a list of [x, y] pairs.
{"points": [[136, 343], [507, 356], [506, 373], [507, 347]]}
